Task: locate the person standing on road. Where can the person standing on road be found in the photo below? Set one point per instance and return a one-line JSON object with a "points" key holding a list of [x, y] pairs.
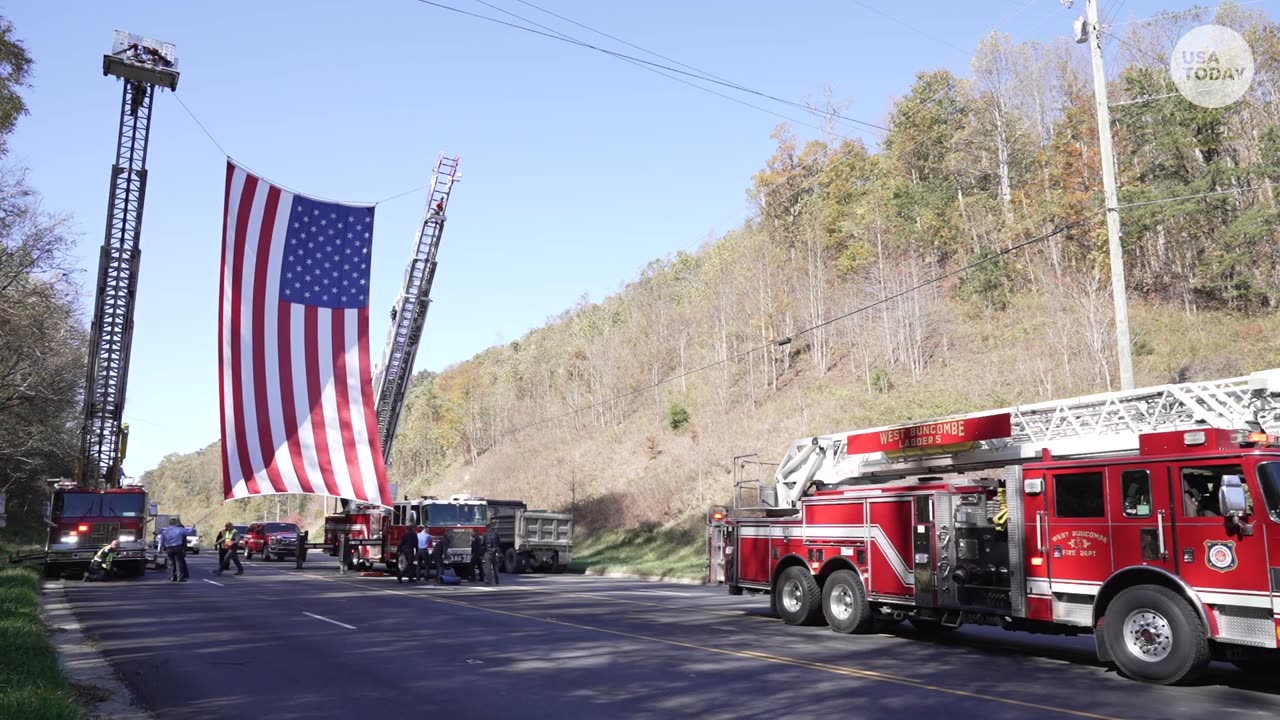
{"points": [[100, 565], [493, 547], [173, 540], [230, 551], [440, 553], [477, 556], [406, 557], [219, 543], [424, 551]]}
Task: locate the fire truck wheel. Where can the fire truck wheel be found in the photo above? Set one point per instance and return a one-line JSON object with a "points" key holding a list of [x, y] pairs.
{"points": [[799, 600], [1155, 636], [844, 603]]}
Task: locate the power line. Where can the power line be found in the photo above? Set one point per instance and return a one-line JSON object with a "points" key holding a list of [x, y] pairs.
{"points": [[580, 43], [655, 70], [788, 339], [1263, 186], [624, 42]]}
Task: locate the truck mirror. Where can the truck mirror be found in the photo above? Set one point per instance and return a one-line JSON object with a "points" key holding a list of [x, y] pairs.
{"points": [[152, 510], [1231, 498]]}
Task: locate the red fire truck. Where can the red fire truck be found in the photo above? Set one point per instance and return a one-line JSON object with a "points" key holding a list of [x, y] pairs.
{"points": [[81, 521], [1149, 518], [459, 515]]}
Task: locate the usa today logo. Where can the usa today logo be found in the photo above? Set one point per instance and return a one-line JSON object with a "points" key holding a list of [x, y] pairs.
{"points": [[1212, 66]]}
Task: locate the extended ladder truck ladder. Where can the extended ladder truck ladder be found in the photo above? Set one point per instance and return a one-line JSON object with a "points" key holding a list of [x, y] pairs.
{"points": [[143, 65], [410, 312], [1089, 426]]}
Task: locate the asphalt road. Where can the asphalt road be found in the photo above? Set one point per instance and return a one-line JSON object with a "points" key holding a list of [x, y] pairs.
{"points": [[282, 643]]}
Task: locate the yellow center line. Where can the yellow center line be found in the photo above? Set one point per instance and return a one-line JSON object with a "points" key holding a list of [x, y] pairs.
{"points": [[748, 654]]}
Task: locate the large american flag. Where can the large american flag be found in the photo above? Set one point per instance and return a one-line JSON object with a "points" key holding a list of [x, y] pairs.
{"points": [[295, 380]]}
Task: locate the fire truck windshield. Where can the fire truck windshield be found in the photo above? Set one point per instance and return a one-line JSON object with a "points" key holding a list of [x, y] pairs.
{"points": [[1269, 477], [441, 514], [75, 505], [123, 505]]}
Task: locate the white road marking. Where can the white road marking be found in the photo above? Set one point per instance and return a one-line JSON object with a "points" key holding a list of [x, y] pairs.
{"points": [[652, 592], [213, 583], [335, 622]]}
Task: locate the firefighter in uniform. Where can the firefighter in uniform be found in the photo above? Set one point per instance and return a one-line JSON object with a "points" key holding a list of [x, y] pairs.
{"points": [[406, 557], [230, 548], [439, 554], [478, 556], [100, 565], [218, 543], [493, 546]]}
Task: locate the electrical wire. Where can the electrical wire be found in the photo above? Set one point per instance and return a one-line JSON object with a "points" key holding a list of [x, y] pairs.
{"points": [[788, 339], [643, 66], [586, 45], [1144, 203]]}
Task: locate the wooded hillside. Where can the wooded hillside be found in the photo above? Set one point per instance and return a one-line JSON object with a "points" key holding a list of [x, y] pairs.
{"points": [[960, 266]]}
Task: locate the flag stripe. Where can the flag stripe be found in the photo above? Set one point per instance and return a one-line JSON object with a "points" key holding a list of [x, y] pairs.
{"points": [[341, 386], [222, 299], [266, 222], [315, 392], [370, 441], [292, 446], [327, 403], [245, 475], [303, 403], [295, 390], [282, 431]]}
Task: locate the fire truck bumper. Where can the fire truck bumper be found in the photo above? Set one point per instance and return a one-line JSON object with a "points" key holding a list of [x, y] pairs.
{"points": [[66, 554]]}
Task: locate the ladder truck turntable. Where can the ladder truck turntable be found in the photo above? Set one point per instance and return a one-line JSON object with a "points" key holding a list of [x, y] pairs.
{"points": [[1149, 518]]}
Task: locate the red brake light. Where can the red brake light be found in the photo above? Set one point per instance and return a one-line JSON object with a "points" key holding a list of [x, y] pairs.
{"points": [[83, 528]]}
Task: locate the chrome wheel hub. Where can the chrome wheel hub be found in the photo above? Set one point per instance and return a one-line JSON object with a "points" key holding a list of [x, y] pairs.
{"points": [[1147, 635], [841, 602], [791, 596]]}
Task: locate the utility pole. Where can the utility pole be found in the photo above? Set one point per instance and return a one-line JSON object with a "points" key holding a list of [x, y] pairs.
{"points": [[1123, 350]]}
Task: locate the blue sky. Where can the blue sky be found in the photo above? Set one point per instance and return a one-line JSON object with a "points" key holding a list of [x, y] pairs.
{"points": [[578, 169]]}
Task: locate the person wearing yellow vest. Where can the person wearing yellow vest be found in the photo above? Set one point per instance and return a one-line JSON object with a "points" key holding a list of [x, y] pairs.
{"points": [[100, 565], [231, 550]]}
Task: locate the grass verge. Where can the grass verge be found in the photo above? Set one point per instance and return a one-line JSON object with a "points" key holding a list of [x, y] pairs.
{"points": [[666, 553], [32, 686]]}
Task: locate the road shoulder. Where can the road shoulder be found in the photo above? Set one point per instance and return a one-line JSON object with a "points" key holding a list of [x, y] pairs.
{"points": [[104, 694]]}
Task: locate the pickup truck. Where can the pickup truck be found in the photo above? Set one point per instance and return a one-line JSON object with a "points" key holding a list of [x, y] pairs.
{"points": [[271, 540]]}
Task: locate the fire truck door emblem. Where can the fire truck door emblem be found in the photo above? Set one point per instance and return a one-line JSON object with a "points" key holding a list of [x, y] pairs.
{"points": [[1220, 555]]}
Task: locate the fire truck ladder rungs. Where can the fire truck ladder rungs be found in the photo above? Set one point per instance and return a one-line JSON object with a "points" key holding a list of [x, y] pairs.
{"points": [[1092, 425], [112, 331], [410, 313]]}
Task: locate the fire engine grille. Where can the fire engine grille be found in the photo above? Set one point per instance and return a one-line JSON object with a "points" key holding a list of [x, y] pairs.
{"points": [[1245, 625], [101, 534], [459, 539]]}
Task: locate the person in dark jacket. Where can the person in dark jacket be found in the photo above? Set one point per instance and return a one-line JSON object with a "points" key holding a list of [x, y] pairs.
{"points": [[439, 555], [477, 556], [493, 550], [406, 554]]}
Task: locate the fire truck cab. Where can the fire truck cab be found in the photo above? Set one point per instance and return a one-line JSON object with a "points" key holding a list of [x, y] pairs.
{"points": [[82, 520], [1164, 544]]}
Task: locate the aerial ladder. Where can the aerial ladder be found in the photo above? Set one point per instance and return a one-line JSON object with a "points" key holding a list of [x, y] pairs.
{"points": [[144, 65], [410, 310], [1090, 426], [357, 525]]}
